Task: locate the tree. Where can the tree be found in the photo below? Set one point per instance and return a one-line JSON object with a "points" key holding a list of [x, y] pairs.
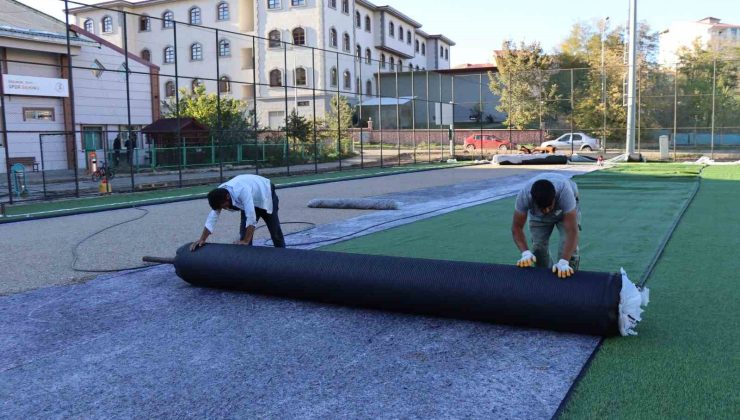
{"points": [[523, 84], [227, 118], [299, 128], [579, 58], [698, 68], [339, 118]]}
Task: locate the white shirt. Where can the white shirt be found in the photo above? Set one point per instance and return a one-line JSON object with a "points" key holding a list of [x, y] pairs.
{"points": [[247, 192]]}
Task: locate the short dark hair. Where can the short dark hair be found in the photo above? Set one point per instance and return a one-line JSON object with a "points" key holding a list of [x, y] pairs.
{"points": [[543, 193], [217, 197]]}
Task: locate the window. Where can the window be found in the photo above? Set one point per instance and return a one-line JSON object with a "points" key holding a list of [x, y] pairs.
{"points": [[224, 48], [196, 52], [38, 114], [299, 36], [97, 69], [222, 11], [423, 48], [145, 25], [146, 55], [441, 52], [169, 55], [393, 63], [304, 103], [333, 37], [368, 56], [391, 29], [358, 20], [333, 4], [347, 80], [447, 54], [169, 89], [89, 25], [369, 88], [408, 37], [273, 4], [416, 46], [368, 23], [345, 6], [195, 16], [345, 42], [224, 84], [400, 65], [92, 137], [400, 33], [195, 84], [300, 76], [276, 78], [382, 60], [274, 39], [358, 52], [298, 2], [168, 20], [333, 77], [106, 25]]}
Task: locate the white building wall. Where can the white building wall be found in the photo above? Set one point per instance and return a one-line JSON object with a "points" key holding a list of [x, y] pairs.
{"points": [[316, 17]]}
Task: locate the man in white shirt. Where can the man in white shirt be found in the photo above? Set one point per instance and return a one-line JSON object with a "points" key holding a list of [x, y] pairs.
{"points": [[255, 197]]}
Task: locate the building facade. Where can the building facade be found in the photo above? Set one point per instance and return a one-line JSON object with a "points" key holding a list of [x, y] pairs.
{"points": [[264, 51], [38, 117], [710, 32]]}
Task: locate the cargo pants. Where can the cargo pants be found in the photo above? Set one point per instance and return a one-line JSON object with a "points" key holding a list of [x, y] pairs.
{"points": [[541, 227]]}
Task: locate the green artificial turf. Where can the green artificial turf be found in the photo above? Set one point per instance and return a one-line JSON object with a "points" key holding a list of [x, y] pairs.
{"points": [[75, 205], [625, 217], [685, 363]]}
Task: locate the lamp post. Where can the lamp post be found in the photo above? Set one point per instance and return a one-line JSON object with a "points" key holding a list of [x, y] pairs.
{"points": [[603, 82]]}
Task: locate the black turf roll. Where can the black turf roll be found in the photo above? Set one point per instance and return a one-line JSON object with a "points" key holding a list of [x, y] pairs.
{"points": [[585, 303]]}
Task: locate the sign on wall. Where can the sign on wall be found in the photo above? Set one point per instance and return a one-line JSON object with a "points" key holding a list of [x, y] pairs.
{"points": [[35, 86]]}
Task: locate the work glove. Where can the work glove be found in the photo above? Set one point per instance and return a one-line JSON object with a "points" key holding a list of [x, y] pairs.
{"points": [[528, 260], [563, 269]]}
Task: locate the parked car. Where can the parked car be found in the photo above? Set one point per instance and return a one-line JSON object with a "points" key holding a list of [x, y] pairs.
{"points": [[486, 141], [577, 141]]}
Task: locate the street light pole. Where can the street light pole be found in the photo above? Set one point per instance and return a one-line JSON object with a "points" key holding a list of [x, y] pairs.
{"points": [[603, 83], [631, 76]]}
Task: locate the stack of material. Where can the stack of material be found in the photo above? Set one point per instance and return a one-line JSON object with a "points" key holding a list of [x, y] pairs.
{"points": [[535, 159]]}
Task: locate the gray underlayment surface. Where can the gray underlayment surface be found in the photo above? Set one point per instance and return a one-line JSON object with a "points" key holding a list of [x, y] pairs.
{"points": [[146, 344]]}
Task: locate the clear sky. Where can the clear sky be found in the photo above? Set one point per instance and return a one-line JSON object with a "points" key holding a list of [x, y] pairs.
{"points": [[479, 26]]}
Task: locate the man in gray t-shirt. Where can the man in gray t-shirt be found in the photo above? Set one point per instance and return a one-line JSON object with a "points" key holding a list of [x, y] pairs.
{"points": [[549, 200]]}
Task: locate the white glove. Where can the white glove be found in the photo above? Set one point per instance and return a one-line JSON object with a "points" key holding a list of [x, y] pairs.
{"points": [[563, 269], [528, 260]]}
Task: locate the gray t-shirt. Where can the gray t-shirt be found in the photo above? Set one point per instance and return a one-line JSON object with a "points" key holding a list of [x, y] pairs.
{"points": [[566, 192]]}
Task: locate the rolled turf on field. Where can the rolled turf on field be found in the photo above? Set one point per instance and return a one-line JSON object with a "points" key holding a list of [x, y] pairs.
{"points": [[685, 363]]}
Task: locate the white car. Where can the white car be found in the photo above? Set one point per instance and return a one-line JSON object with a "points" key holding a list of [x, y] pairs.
{"points": [[576, 141]]}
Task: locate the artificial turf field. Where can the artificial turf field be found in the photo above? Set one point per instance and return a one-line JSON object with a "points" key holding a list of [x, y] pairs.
{"points": [[685, 362]]}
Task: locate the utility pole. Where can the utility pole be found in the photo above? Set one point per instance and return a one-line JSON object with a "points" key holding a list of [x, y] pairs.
{"points": [[631, 75]]}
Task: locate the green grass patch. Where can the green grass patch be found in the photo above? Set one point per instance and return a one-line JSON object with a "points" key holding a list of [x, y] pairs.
{"points": [[111, 202], [684, 363], [625, 217]]}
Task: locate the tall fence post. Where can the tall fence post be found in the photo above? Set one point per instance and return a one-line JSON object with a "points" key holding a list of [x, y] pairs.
{"points": [[70, 81], [132, 141], [287, 116], [714, 91], [313, 96], [219, 124]]}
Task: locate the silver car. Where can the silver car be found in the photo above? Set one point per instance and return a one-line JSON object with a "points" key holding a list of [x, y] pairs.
{"points": [[576, 141]]}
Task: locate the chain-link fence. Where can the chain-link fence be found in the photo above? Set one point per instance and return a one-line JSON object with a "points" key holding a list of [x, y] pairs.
{"points": [[154, 101]]}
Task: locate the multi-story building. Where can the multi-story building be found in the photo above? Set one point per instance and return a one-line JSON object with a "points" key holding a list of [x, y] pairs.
{"points": [[709, 32], [43, 106], [270, 50]]}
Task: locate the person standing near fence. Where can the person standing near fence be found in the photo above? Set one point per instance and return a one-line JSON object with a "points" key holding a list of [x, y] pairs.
{"points": [[255, 197], [130, 145], [549, 200], [117, 150]]}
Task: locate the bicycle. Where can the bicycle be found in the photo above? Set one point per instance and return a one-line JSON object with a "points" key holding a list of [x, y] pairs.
{"points": [[103, 171]]}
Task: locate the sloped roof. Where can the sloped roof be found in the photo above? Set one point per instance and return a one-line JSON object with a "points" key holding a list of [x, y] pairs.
{"points": [[169, 125]]}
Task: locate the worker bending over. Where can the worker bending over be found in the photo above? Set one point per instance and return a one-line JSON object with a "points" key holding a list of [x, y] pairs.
{"points": [[255, 197], [550, 200]]}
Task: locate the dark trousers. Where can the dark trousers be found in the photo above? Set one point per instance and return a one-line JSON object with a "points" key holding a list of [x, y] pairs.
{"points": [[271, 220], [116, 157]]}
